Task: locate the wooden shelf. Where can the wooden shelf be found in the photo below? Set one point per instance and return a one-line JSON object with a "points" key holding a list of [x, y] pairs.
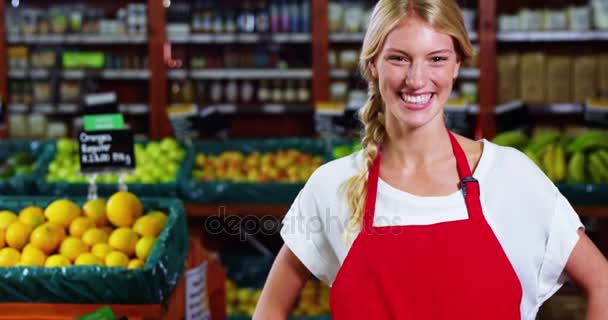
{"points": [[552, 36]]}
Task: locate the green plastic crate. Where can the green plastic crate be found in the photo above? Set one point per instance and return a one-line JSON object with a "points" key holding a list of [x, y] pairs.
{"points": [[65, 189], [21, 184], [197, 191], [585, 193], [151, 284]]}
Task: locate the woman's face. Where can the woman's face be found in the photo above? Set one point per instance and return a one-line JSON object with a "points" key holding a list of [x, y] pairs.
{"points": [[415, 72]]}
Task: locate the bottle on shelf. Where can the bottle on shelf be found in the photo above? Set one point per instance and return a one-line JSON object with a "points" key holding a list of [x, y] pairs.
{"points": [[263, 91], [215, 92], [262, 18], [277, 91], [232, 91], [247, 91], [305, 16], [246, 19], [290, 92], [285, 12], [303, 91], [275, 16]]}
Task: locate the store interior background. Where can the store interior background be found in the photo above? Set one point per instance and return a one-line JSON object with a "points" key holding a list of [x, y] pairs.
{"points": [[265, 69]]}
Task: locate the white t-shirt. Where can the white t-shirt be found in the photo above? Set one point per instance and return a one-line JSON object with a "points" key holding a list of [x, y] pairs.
{"points": [[532, 220]]}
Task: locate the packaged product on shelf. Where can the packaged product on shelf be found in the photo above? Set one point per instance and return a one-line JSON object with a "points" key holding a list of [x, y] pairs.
{"points": [[263, 91], [602, 75], [277, 91], [17, 125], [555, 19], [38, 125], [584, 82], [303, 91], [469, 16], [57, 130], [355, 15], [508, 77], [468, 91], [349, 59], [18, 57], [530, 20], [579, 18], [338, 91], [532, 77], [600, 14], [246, 92], [335, 17], [559, 76]]}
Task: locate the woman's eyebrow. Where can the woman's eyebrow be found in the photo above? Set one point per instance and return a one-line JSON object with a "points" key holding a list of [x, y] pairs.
{"points": [[430, 53]]}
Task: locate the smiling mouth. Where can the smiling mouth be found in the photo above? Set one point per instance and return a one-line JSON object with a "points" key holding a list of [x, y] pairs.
{"points": [[420, 99]]}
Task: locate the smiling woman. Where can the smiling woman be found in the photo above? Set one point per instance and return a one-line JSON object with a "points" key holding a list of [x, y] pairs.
{"points": [[422, 223]]}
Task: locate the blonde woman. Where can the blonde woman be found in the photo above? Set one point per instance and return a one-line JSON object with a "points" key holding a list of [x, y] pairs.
{"points": [[422, 223]]}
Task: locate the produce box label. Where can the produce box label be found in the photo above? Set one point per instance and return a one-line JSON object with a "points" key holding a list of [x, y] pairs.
{"points": [[98, 122], [197, 306], [106, 150]]}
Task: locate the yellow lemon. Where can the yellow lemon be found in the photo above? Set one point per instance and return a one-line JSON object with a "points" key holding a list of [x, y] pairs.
{"points": [[116, 259], [123, 239], [87, 259], [57, 260], [72, 247], [32, 215], [96, 210], [94, 236], [32, 256], [80, 225], [144, 246], [46, 237], [123, 208], [147, 226], [160, 216], [6, 218], [101, 250], [61, 234], [62, 212], [9, 257], [135, 264], [17, 234]]}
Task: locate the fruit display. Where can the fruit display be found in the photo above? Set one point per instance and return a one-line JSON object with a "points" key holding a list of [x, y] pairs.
{"points": [[313, 300], [156, 162], [343, 150], [289, 165], [580, 158], [20, 163], [112, 233]]}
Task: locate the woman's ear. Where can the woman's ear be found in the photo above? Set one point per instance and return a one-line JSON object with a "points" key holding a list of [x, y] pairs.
{"points": [[374, 70]]}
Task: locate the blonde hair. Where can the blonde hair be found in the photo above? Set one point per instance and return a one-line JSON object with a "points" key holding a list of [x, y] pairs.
{"points": [[443, 15]]}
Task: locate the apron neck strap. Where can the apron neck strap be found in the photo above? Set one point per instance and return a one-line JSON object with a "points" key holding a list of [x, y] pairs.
{"points": [[468, 184]]}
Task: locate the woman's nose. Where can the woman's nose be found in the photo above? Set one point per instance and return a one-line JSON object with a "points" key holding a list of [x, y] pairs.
{"points": [[416, 76]]}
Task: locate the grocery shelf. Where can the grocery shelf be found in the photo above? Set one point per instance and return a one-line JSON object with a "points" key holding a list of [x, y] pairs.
{"points": [[468, 73], [125, 74], [349, 37], [238, 38], [275, 108], [18, 108], [556, 108], [464, 73], [340, 73], [109, 74], [77, 39], [213, 74], [32, 73], [133, 108], [551, 36]]}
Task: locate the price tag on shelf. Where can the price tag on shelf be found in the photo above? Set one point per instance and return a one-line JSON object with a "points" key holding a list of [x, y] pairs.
{"points": [[197, 302], [106, 150], [110, 121]]}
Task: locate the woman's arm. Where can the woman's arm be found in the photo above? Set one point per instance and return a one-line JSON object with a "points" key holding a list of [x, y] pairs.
{"points": [[287, 277], [588, 268]]}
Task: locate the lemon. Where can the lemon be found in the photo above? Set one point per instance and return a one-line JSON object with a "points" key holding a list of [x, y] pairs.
{"points": [[123, 239], [160, 216], [9, 257], [80, 225], [6, 218], [123, 208], [57, 260], [32, 256], [46, 237], [72, 247], [62, 212], [61, 234], [116, 259], [32, 215], [87, 259], [101, 250], [135, 264], [96, 210], [147, 226], [144, 246], [17, 234], [94, 236]]}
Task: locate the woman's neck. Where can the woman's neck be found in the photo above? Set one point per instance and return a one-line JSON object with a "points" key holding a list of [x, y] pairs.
{"points": [[411, 148]]}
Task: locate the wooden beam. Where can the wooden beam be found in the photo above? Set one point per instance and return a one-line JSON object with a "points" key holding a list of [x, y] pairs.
{"points": [[486, 126], [157, 86], [3, 70], [208, 210], [320, 50]]}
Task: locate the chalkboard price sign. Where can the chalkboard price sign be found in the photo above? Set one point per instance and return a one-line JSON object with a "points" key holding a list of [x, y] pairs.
{"points": [[106, 151]]}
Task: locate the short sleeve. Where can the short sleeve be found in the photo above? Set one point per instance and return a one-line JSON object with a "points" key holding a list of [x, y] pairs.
{"points": [[563, 236], [303, 230]]}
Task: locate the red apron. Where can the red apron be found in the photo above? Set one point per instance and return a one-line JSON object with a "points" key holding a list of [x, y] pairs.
{"points": [[447, 270]]}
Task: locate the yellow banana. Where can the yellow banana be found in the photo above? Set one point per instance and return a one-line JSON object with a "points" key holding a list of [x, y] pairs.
{"points": [[559, 158], [576, 168]]}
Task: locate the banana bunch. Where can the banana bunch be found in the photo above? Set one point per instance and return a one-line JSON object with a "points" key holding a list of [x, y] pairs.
{"points": [[514, 138], [598, 166], [554, 162]]}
